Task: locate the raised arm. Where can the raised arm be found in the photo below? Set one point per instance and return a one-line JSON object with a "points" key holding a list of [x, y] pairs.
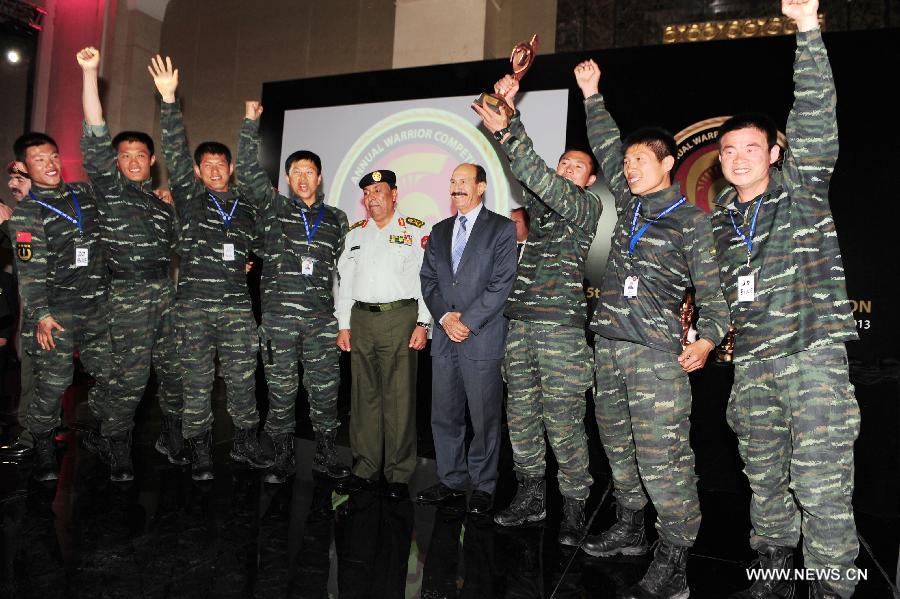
{"points": [[96, 146], [571, 202], [603, 133], [249, 171], [812, 125], [174, 139]]}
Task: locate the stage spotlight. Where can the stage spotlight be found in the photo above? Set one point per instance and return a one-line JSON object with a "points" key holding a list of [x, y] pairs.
{"points": [[13, 56]]}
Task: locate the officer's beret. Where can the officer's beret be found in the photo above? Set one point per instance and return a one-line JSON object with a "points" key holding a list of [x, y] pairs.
{"points": [[377, 177]]}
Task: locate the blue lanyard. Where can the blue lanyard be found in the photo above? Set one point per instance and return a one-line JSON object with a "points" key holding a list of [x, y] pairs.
{"points": [[310, 233], [226, 218], [636, 236], [747, 240], [75, 221]]}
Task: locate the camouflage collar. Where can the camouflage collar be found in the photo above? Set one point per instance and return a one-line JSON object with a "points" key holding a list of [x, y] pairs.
{"points": [[727, 198], [50, 192], [659, 200], [301, 204]]}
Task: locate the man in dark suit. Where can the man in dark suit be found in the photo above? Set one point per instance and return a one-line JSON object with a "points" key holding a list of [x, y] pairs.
{"points": [[467, 274]]}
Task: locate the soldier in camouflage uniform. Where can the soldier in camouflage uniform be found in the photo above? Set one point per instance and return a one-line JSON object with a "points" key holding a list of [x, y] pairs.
{"points": [[17, 447], [212, 309], [63, 284], [138, 232], [303, 240], [661, 245], [792, 406], [548, 362]]}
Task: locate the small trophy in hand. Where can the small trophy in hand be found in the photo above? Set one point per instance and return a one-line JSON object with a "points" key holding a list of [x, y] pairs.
{"points": [[725, 350], [686, 314], [521, 59]]}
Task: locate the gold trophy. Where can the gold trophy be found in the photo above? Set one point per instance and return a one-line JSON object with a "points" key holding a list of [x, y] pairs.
{"points": [[686, 314], [521, 59], [725, 350]]}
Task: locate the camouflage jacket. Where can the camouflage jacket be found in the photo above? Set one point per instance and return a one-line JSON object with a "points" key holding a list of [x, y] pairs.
{"points": [[138, 229], [205, 275], [674, 253], [46, 244], [549, 285], [285, 242], [800, 299]]}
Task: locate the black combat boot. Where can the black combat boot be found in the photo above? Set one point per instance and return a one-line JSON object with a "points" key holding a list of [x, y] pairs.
{"points": [[284, 459], [627, 536], [120, 467], [774, 558], [201, 456], [246, 449], [529, 504], [45, 465], [170, 443], [571, 530], [820, 590], [326, 459], [666, 578]]}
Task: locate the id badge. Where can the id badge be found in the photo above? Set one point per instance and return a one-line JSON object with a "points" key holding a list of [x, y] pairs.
{"points": [[81, 256], [228, 252], [306, 265], [746, 288], [631, 286]]}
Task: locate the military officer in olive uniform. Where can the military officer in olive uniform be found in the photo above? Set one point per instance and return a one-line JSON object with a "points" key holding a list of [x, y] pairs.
{"points": [[380, 307]]}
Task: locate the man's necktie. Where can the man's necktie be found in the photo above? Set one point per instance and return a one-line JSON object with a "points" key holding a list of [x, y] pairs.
{"points": [[459, 243]]}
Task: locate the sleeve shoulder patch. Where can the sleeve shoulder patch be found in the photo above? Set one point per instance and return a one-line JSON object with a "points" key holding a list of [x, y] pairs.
{"points": [[415, 222]]}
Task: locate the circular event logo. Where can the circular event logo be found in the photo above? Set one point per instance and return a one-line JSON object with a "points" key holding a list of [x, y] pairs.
{"points": [[422, 146], [698, 170]]}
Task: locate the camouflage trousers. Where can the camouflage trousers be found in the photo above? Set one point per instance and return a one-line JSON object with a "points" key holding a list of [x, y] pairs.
{"points": [[643, 407], [796, 419], [201, 332], [87, 331], [293, 337], [548, 369], [141, 334]]}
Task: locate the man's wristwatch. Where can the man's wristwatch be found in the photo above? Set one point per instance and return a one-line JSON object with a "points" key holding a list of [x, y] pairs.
{"points": [[424, 325], [498, 135]]}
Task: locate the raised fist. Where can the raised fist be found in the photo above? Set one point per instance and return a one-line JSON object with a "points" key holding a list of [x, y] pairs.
{"points": [[805, 13], [507, 88], [587, 76], [88, 58], [252, 110]]}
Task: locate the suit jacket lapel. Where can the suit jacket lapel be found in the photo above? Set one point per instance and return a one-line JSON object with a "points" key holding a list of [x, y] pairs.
{"points": [[474, 237]]}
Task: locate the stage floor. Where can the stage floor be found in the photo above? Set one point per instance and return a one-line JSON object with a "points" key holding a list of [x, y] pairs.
{"points": [[166, 536]]}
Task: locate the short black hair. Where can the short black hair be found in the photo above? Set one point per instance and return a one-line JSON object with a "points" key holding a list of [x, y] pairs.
{"points": [[660, 141], [751, 120], [303, 155], [595, 166], [136, 136], [480, 174], [212, 147], [525, 218], [31, 139]]}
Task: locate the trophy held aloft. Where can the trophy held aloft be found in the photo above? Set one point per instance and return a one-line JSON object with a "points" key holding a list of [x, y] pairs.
{"points": [[521, 59]]}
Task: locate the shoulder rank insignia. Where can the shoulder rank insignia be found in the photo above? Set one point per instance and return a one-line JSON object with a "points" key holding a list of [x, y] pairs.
{"points": [[415, 222], [401, 222], [360, 223]]}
